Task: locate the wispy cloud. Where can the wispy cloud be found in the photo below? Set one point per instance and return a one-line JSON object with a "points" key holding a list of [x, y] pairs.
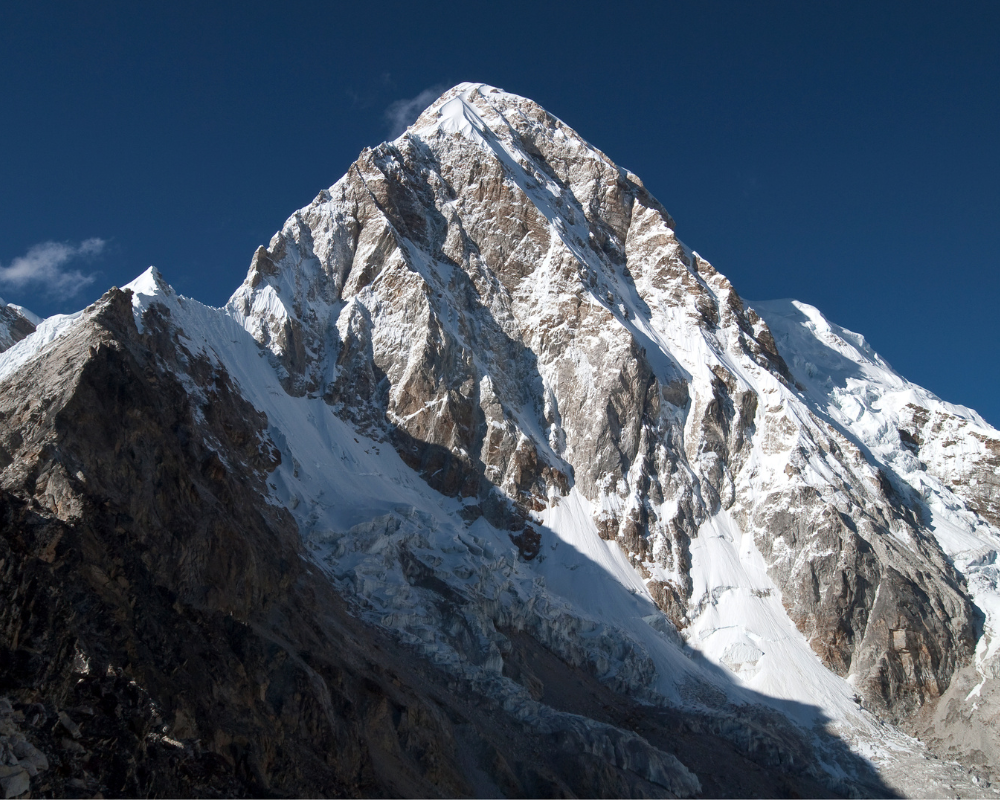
{"points": [[403, 113], [44, 267]]}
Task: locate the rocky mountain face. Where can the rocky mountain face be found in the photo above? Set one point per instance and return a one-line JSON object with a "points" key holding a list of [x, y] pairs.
{"points": [[577, 343], [484, 483]]}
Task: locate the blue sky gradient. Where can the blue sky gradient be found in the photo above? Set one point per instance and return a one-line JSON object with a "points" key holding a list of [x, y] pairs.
{"points": [[841, 153]]}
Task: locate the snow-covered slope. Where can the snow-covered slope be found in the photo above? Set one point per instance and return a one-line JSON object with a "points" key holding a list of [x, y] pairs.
{"points": [[944, 459]]}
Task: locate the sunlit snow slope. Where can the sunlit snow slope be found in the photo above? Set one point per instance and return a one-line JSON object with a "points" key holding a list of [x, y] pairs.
{"points": [[945, 458]]}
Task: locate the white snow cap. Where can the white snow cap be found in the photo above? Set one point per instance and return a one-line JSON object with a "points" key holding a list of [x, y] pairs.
{"points": [[150, 283], [33, 318], [453, 111], [149, 286]]}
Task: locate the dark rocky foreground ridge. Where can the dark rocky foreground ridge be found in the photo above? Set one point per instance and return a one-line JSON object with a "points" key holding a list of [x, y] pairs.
{"points": [[163, 636], [199, 602]]}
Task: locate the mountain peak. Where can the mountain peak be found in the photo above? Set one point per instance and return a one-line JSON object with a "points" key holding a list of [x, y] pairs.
{"points": [[456, 108], [150, 283], [522, 429]]}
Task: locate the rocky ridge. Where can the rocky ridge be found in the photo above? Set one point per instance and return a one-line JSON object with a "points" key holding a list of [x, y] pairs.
{"points": [[15, 324], [164, 635], [942, 460]]}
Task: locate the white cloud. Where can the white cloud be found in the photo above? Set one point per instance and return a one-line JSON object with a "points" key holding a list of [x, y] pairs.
{"points": [[44, 267], [403, 113]]}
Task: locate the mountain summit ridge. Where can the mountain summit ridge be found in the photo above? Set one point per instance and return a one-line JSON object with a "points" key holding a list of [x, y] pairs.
{"points": [[514, 418]]}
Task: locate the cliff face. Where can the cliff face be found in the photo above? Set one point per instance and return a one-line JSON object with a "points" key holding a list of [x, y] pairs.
{"points": [[479, 441]]}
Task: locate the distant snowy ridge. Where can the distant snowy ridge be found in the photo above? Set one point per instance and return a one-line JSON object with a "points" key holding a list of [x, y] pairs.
{"points": [[945, 453], [16, 322]]}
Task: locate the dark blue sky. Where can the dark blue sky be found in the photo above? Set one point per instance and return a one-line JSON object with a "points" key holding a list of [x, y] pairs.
{"points": [[842, 153]]}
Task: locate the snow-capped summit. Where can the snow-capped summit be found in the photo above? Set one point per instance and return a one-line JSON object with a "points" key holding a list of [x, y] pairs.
{"points": [[514, 313]]}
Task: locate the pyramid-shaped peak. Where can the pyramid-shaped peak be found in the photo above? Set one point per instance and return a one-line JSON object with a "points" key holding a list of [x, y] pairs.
{"points": [[150, 283], [514, 128], [468, 94], [470, 107]]}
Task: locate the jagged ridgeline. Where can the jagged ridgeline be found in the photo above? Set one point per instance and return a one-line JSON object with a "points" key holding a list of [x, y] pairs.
{"points": [[483, 483]]}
